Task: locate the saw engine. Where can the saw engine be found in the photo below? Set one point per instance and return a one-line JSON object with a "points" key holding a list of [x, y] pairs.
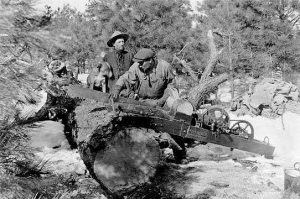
{"points": [[217, 120]]}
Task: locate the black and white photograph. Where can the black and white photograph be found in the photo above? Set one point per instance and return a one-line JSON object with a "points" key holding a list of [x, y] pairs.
{"points": [[149, 99]]}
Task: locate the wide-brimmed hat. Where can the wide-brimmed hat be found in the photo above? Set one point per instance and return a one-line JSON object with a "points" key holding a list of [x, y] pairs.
{"points": [[116, 35], [143, 54]]}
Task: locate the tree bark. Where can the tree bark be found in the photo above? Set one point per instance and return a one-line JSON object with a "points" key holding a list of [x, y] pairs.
{"points": [[197, 93], [207, 83], [119, 158], [53, 104]]}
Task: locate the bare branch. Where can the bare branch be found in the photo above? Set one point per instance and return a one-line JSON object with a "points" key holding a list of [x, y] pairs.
{"points": [[183, 48], [214, 55]]}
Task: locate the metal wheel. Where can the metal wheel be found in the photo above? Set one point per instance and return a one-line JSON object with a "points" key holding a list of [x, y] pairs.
{"points": [[217, 115], [243, 128]]}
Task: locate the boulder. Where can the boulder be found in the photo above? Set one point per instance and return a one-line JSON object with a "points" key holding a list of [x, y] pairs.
{"points": [[270, 94], [263, 93]]}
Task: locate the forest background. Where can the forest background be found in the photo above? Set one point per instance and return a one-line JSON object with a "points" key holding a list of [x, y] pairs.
{"points": [[257, 37]]}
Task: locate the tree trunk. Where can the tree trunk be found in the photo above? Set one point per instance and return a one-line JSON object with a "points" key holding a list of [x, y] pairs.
{"points": [[207, 83], [198, 92], [119, 158]]}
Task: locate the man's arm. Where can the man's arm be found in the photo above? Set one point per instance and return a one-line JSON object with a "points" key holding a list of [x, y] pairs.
{"points": [[129, 77], [126, 80], [169, 75]]}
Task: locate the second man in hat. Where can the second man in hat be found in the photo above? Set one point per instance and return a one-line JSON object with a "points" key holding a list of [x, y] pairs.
{"points": [[119, 58]]}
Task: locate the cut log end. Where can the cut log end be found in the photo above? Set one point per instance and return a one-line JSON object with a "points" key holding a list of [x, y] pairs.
{"points": [[176, 104], [129, 160]]}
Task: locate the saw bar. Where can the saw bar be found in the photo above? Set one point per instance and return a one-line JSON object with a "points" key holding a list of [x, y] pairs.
{"points": [[75, 91], [183, 129]]}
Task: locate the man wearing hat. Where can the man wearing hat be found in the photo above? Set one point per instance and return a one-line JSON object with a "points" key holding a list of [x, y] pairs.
{"points": [[119, 58], [149, 79]]}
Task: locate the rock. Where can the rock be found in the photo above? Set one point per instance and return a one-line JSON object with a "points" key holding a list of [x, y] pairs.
{"points": [[283, 88], [271, 94], [263, 94], [294, 95], [293, 106], [279, 99]]}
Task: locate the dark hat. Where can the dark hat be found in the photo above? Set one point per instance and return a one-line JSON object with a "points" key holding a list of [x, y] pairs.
{"points": [[143, 54], [116, 35]]}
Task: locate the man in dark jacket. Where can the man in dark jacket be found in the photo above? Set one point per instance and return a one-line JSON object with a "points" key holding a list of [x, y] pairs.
{"points": [[119, 58], [148, 78]]}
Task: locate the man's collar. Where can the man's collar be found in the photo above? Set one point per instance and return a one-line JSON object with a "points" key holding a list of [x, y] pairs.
{"points": [[120, 51]]}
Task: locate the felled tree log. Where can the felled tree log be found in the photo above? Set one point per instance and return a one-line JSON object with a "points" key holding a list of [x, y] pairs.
{"points": [[120, 158], [53, 104]]}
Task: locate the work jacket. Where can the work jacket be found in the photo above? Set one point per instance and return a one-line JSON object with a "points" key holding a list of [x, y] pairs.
{"points": [[147, 86], [118, 64]]}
